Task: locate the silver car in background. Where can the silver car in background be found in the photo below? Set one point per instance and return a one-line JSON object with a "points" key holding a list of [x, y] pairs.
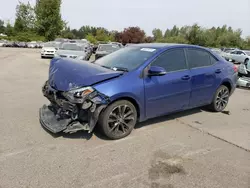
{"points": [[72, 50], [49, 49], [105, 49], [244, 74]]}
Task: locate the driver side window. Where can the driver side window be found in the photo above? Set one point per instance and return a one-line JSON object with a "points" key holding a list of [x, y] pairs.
{"points": [[171, 60]]}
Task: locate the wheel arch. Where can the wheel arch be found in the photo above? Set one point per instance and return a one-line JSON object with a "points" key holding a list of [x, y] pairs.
{"points": [[131, 99], [228, 84]]}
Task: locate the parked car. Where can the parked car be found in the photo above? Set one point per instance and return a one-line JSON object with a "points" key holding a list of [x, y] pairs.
{"points": [[2, 43], [23, 45], [88, 50], [59, 40], [238, 56], [132, 85], [105, 49], [32, 44], [72, 50], [49, 49], [117, 43], [9, 44], [244, 74], [217, 51], [128, 44]]}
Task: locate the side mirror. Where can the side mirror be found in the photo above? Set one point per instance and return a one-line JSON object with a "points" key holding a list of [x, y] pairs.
{"points": [[156, 71]]}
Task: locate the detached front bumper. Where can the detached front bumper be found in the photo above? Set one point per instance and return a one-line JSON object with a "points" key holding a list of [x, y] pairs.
{"points": [[63, 116], [51, 121]]}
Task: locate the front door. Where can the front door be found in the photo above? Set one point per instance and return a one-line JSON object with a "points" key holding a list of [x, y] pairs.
{"points": [[170, 92]]}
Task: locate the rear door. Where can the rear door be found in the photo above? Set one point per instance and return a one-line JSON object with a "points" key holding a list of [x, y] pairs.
{"points": [[204, 70]]}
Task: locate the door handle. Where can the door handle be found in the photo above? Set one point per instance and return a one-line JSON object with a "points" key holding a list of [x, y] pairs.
{"points": [[218, 71], [186, 77]]}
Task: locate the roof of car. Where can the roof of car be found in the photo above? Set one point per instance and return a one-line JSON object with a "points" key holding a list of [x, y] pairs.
{"points": [[159, 45]]}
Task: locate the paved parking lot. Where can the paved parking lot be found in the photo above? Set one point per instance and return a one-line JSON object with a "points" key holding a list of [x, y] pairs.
{"points": [[189, 149]]}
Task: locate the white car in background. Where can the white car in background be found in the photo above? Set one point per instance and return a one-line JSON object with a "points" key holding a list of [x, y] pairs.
{"points": [[49, 49], [238, 56], [32, 44], [2, 42]]}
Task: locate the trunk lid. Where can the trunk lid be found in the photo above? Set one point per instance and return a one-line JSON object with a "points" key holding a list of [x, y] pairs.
{"points": [[66, 74]]}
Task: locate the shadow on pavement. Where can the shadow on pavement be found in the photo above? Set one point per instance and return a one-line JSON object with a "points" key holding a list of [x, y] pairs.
{"points": [[169, 117], [96, 132]]}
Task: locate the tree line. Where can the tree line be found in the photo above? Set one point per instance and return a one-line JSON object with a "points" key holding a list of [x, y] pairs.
{"points": [[43, 22]]}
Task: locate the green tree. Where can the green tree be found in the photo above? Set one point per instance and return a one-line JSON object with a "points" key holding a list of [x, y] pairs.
{"points": [[66, 33], [102, 35], [48, 18], [91, 38], [158, 36], [85, 30], [9, 30], [2, 27], [25, 17]]}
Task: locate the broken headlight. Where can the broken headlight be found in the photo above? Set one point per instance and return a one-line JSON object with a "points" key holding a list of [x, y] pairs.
{"points": [[78, 95]]}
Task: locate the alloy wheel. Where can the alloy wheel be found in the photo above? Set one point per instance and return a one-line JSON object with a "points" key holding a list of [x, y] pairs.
{"points": [[222, 99], [121, 119]]}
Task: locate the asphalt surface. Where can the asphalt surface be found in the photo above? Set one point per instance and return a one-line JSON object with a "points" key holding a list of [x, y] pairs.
{"points": [[190, 149]]}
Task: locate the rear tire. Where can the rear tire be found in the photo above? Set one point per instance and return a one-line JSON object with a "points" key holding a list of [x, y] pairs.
{"points": [[220, 99], [118, 119]]}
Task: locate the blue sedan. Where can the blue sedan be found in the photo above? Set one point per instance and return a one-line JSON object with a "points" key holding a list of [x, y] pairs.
{"points": [[133, 84]]}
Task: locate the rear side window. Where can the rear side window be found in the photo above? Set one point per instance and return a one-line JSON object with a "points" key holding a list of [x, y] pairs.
{"points": [[172, 60], [199, 58], [240, 52]]}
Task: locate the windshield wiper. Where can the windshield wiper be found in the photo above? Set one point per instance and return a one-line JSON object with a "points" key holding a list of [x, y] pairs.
{"points": [[106, 67], [120, 69], [116, 68]]}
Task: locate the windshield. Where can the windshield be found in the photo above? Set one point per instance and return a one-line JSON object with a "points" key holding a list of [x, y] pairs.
{"points": [[50, 44], [248, 53], [128, 58], [71, 46], [108, 48]]}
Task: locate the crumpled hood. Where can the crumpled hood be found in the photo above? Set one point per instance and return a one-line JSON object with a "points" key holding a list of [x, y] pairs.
{"points": [[66, 74]]}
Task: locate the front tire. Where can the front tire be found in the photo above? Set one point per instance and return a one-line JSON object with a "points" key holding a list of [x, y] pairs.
{"points": [[220, 99], [118, 120]]}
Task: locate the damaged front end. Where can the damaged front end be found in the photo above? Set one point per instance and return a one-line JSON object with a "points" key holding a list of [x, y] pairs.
{"points": [[72, 111]]}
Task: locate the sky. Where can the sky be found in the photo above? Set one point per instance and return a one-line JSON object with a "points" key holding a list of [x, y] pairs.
{"points": [[148, 14]]}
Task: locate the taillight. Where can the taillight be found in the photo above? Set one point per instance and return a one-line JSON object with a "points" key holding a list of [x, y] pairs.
{"points": [[235, 67]]}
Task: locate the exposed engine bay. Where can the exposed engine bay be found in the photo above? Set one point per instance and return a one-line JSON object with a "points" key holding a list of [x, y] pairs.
{"points": [[72, 111]]}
